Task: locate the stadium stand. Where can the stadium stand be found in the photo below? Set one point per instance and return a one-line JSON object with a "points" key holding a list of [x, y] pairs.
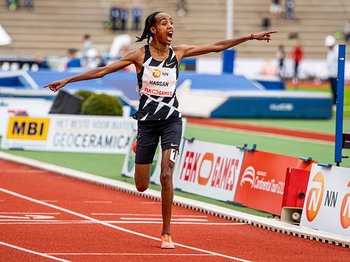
{"points": [[52, 27]]}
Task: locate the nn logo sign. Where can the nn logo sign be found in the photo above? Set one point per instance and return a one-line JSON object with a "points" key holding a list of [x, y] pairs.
{"points": [[28, 128], [314, 199]]}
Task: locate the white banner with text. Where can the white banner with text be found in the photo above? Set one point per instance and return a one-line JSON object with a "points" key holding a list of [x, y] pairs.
{"points": [[327, 202], [69, 133], [209, 169]]}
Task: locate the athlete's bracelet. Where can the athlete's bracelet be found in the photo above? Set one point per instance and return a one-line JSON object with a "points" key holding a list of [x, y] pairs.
{"points": [[251, 37]]}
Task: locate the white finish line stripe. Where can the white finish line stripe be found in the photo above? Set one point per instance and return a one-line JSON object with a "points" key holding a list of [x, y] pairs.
{"points": [[113, 226], [33, 252], [132, 254], [76, 222]]}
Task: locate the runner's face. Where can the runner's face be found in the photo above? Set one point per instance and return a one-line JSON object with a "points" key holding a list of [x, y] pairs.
{"points": [[164, 28]]}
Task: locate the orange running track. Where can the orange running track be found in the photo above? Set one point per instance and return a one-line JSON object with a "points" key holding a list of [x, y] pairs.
{"points": [[50, 217]]}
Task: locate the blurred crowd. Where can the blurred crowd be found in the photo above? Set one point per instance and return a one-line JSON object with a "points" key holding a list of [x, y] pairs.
{"points": [[15, 4], [119, 17]]}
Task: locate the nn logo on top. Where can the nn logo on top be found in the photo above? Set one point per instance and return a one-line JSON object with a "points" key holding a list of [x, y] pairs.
{"points": [[28, 128], [345, 210], [157, 73], [314, 199]]}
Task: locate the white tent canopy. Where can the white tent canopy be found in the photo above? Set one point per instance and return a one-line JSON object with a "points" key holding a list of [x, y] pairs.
{"points": [[5, 39]]}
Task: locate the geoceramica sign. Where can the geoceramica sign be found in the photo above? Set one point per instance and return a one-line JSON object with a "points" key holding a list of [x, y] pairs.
{"points": [[70, 133]]}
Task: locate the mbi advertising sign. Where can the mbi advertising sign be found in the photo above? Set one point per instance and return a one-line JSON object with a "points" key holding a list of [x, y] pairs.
{"points": [[209, 169], [327, 202], [69, 133]]}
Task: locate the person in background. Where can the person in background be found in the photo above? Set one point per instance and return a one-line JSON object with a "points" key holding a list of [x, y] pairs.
{"points": [[136, 14], [289, 10], [41, 61], [85, 49], [124, 15], [332, 65], [158, 116], [115, 17], [281, 55], [181, 8], [72, 60], [275, 9], [346, 31], [12, 5], [297, 55], [29, 4]]}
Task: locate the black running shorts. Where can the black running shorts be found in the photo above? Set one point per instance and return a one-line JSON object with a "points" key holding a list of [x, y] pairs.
{"points": [[148, 134]]}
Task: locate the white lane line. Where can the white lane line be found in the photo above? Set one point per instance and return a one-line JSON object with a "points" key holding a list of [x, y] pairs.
{"points": [[29, 213], [113, 226], [97, 202], [142, 215], [132, 254], [33, 252], [57, 222], [160, 219], [2, 217]]}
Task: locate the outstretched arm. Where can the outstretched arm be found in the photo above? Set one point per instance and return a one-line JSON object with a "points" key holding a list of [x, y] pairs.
{"points": [[130, 58], [194, 50]]}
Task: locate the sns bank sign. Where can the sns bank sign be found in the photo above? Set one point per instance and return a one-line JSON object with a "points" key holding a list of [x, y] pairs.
{"points": [[327, 202]]}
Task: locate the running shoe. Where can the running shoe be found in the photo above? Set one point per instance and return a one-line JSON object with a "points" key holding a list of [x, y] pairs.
{"points": [[167, 243]]}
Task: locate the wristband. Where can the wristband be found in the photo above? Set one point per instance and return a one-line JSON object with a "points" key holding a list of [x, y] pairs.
{"points": [[251, 36]]}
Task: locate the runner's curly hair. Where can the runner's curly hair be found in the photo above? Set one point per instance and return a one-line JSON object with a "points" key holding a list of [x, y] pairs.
{"points": [[150, 21]]}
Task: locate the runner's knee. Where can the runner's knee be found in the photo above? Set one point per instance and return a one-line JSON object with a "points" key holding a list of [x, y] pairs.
{"points": [[166, 177], [142, 177], [141, 187]]}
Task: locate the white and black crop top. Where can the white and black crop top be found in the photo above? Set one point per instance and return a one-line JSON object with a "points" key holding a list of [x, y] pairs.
{"points": [[157, 88]]}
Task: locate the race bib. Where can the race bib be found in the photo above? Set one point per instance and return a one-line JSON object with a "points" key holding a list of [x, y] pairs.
{"points": [[158, 81]]}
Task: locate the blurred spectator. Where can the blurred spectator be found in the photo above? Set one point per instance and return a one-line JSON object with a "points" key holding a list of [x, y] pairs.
{"points": [[181, 8], [289, 9], [136, 14], [346, 31], [12, 5], [297, 55], [275, 8], [265, 23], [332, 65], [94, 59], [100, 60], [115, 17], [72, 61], [41, 61], [29, 4], [124, 14], [86, 46], [281, 55]]}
